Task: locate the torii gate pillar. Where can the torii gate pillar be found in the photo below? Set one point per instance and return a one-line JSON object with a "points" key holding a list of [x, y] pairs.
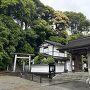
{"points": [[26, 56], [14, 67]]}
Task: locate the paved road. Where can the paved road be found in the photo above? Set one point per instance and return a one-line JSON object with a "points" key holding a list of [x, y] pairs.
{"points": [[74, 85]]}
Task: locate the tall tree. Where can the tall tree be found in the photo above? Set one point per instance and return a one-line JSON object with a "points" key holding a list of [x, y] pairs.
{"points": [[7, 6], [43, 30], [60, 21], [21, 10], [39, 9], [77, 22], [35, 17], [9, 38], [24, 12], [48, 13]]}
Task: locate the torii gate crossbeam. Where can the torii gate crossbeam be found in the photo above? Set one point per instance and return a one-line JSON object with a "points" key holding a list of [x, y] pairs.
{"points": [[18, 55]]}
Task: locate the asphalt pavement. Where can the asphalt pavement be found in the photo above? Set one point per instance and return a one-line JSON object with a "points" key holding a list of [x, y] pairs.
{"points": [[67, 81], [74, 85]]}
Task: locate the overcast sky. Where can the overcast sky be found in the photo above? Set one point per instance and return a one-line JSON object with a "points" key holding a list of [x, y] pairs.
{"points": [[70, 5]]}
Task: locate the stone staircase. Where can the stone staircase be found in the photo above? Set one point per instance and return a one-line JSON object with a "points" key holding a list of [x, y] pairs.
{"points": [[77, 76], [69, 77], [59, 78]]}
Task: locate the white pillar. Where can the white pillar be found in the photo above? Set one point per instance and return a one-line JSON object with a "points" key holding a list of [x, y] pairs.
{"points": [[53, 50], [43, 49], [23, 66], [7, 67], [14, 68], [48, 48], [33, 61], [29, 64]]}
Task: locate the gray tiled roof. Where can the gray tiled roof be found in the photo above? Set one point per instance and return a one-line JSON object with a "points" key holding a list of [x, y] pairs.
{"points": [[53, 43], [77, 43], [56, 57]]}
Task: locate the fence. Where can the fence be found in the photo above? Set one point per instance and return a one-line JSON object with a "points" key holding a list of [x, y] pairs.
{"points": [[37, 77]]}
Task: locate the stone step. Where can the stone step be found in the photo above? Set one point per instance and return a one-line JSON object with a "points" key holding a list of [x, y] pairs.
{"points": [[72, 76]]}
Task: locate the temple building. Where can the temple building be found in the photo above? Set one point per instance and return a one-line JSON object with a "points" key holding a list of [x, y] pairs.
{"points": [[77, 48]]}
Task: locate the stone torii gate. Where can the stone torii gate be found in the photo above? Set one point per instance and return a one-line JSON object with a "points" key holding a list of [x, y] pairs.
{"points": [[22, 55]]}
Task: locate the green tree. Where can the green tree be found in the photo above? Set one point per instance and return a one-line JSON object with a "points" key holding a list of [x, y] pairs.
{"points": [[58, 39], [22, 11], [48, 13], [36, 18], [50, 60], [38, 59], [60, 20], [9, 37], [75, 36], [26, 48], [7, 6], [77, 22], [39, 9], [43, 30], [44, 61]]}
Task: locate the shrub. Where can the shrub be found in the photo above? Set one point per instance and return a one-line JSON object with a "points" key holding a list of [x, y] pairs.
{"points": [[50, 60]]}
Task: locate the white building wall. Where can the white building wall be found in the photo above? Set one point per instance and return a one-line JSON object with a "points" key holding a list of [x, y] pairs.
{"points": [[65, 53], [46, 50], [49, 50], [41, 50], [39, 68], [68, 66], [56, 52], [45, 68], [60, 68]]}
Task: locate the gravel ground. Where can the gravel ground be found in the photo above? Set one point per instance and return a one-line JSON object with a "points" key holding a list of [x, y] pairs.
{"points": [[16, 83], [50, 88]]}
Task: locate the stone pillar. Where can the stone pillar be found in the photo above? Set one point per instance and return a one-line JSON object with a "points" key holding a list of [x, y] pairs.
{"points": [[77, 62], [80, 65], [14, 67], [75, 57], [29, 64], [88, 57], [65, 66], [71, 62], [23, 66]]}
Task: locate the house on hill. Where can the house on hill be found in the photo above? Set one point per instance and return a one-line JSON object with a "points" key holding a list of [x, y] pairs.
{"points": [[51, 49]]}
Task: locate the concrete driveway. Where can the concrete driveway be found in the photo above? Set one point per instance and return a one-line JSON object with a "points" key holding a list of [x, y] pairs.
{"points": [[75, 85]]}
